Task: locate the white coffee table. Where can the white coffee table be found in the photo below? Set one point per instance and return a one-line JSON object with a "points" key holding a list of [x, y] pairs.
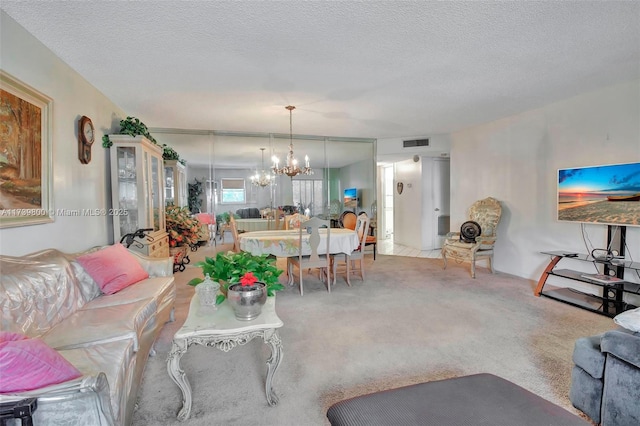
{"points": [[219, 328]]}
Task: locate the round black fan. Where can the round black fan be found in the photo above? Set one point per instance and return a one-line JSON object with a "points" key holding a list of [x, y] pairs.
{"points": [[469, 231]]}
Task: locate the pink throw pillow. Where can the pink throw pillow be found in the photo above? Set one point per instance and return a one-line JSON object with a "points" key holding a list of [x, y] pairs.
{"points": [[113, 268], [27, 364]]}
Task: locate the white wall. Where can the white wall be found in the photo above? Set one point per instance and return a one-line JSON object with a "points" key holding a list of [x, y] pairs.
{"points": [[75, 185], [516, 159]]}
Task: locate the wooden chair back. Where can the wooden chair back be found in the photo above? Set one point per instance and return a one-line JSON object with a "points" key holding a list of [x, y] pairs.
{"points": [[234, 232]]}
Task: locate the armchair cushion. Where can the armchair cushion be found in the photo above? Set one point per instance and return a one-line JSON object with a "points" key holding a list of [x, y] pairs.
{"points": [[113, 268], [27, 364]]}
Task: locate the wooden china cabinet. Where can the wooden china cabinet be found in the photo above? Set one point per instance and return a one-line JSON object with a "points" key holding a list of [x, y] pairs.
{"points": [[175, 183], [137, 190]]}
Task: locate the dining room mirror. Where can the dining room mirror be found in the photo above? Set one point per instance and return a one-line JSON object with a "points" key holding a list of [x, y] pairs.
{"points": [[235, 171]]}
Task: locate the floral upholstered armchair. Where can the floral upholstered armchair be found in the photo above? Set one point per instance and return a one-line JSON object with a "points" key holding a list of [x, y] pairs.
{"points": [[485, 213]]}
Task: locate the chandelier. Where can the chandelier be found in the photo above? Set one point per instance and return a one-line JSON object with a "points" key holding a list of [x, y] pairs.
{"points": [[262, 178], [291, 168]]}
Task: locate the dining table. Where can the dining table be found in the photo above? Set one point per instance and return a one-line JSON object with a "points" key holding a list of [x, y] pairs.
{"points": [[286, 243]]}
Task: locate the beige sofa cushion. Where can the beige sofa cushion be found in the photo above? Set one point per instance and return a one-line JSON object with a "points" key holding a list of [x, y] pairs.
{"points": [[104, 324], [156, 288]]}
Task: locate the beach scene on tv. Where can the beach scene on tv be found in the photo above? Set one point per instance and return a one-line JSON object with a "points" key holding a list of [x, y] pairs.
{"points": [[601, 194]]}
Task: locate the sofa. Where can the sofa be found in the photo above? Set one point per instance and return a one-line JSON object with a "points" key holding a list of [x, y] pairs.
{"points": [[249, 213], [104, 335], [605, 380]]}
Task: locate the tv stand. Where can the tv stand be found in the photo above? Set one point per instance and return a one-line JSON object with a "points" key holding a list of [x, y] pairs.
{"points": [[607, 298]]}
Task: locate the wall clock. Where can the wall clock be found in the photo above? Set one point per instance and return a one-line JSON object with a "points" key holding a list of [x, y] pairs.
{"points": [[86, 137]]}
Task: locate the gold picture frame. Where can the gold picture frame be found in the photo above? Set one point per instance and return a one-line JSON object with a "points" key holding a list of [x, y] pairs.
{"points": [[26, 180]]}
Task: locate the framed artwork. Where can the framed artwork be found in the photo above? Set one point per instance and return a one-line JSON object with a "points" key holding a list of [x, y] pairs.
{"points": [[26, 185]]}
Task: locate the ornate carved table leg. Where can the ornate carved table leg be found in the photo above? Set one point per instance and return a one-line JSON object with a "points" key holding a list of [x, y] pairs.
{"points": [[177, 374], [273, 340], [289, 273]]}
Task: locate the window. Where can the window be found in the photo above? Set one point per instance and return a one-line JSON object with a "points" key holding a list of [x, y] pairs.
{"points": [[233, 191], [308, 194]]}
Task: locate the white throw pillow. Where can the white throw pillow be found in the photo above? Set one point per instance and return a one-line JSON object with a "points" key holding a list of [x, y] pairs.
{"points": [[629, 320]]}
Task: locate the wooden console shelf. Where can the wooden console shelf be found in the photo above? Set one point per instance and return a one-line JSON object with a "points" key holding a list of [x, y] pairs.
{"points": [[607, 297]]}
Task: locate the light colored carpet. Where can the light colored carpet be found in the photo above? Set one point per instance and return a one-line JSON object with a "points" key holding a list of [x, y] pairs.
{"points": [[409, 322]]}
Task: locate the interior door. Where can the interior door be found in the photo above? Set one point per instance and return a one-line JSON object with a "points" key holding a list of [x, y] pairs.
{"points": [[387, 202], [441, 200]]}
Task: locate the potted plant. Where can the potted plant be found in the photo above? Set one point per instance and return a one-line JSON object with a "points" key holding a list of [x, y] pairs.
{"points": [[183, 231], [230, 268], [194, 200]]}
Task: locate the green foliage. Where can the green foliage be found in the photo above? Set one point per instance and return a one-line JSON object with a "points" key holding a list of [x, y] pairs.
{"points": [[194, 200], [228, 268], [106, 142]]}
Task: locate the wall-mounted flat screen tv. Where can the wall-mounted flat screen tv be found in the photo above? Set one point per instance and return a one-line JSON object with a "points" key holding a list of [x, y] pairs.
{"points": [[351, 198], [608, 194]]}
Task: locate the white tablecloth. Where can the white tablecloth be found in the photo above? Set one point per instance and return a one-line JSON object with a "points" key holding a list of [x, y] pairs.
{"points": [[285, 243]]}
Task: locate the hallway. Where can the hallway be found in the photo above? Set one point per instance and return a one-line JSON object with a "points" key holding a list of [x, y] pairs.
{"points": [[388, 247]]}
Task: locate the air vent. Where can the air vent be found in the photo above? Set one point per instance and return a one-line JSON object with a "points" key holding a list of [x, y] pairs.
{"points": [[415, 142]]}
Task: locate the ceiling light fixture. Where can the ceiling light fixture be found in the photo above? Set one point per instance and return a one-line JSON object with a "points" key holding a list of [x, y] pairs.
{"points": [[291, 168], [262, 178]]}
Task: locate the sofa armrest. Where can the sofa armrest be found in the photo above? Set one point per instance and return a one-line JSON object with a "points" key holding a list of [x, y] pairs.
{"points": [[622, 344], [155, 266], [78, 401]]}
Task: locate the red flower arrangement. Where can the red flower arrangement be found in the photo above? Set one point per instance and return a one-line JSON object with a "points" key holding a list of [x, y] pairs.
{"points": [[248, 279]]}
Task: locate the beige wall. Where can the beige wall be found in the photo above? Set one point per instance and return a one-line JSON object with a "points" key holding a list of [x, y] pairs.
{"points": [[516, 160], [75, 185]]}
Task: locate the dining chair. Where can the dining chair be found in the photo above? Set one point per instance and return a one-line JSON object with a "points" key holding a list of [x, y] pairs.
{"points": [[278, 219], [362, 226], [312, 228], [371, 240], [293, 221], [234, 232], [348, 220]]}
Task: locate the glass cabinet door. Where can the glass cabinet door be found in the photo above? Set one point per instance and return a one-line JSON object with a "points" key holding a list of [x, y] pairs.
{"points": [[169, 179], [182, 188], [127, 189], [156, 194]]}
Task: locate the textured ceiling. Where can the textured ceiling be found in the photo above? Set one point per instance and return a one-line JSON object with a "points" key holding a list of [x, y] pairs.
{"points": [[362, 69]]}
